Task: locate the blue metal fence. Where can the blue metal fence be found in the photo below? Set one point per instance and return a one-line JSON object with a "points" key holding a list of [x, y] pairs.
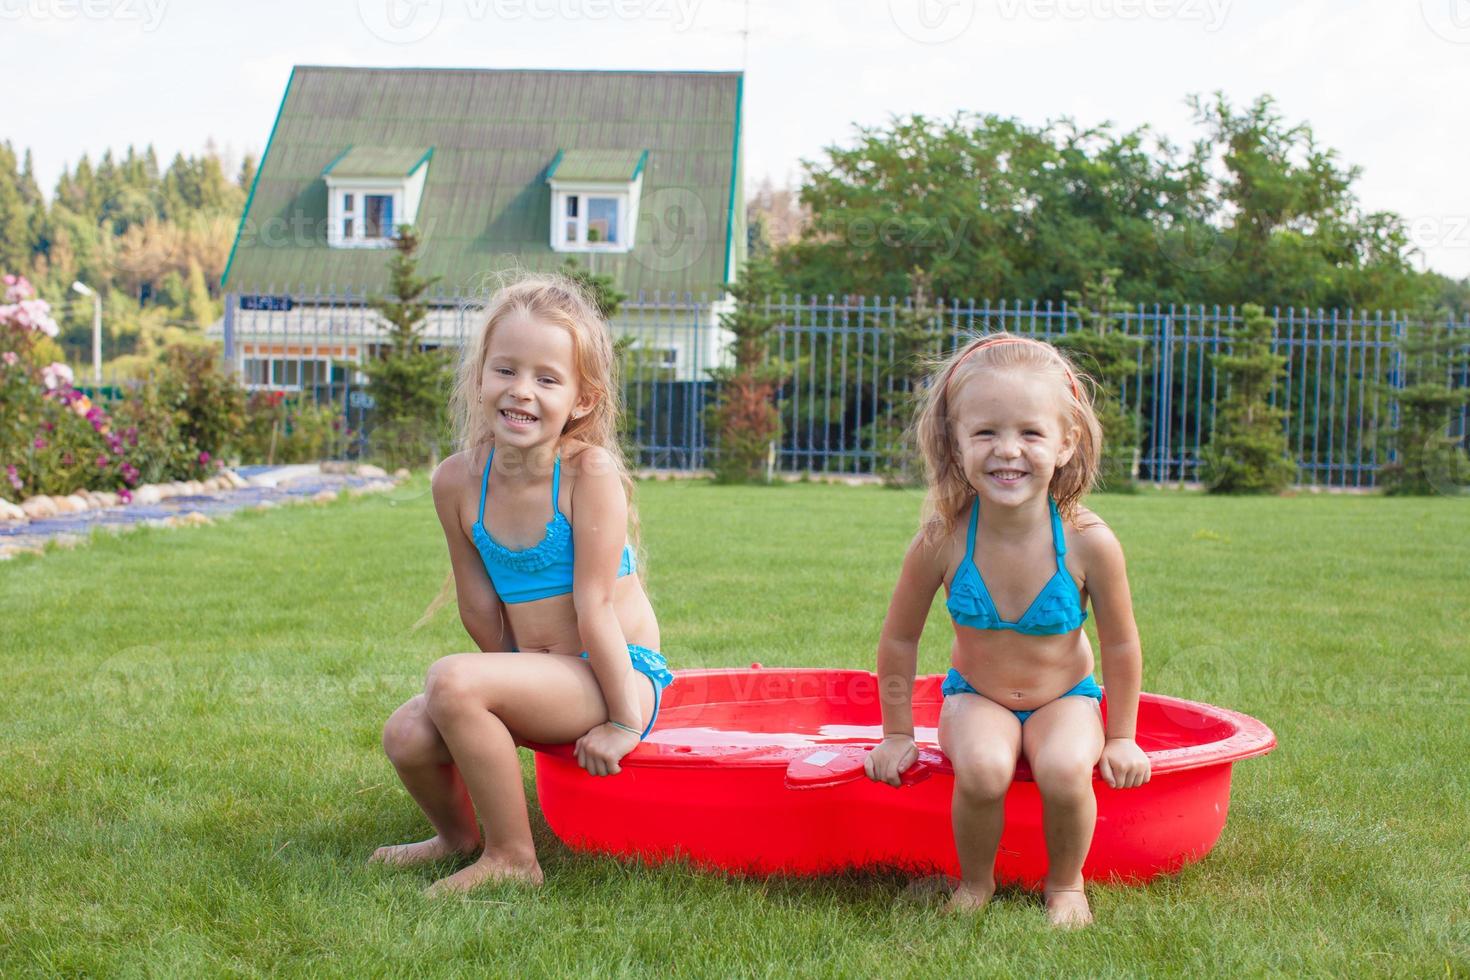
{"points": [[843, 377]]}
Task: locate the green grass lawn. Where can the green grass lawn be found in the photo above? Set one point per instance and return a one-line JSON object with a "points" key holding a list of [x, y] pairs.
{"points": [[191, 781]]}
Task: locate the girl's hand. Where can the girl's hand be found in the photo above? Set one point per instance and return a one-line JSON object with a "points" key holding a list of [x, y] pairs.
{"points": [[600, 750], [1123, 764], [890, 758]]}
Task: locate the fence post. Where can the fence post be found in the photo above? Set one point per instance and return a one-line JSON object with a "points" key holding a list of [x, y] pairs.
{"points": [[231, 299], [1396, 378]]}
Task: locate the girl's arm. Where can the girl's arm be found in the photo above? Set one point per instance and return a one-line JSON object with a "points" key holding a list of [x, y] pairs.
{"points": [[898, 658], [598, 535], [480, 609], [1123, 763]]}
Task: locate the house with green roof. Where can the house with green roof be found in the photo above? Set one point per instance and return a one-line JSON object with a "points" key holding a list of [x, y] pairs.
{"points": [[636, 175]]}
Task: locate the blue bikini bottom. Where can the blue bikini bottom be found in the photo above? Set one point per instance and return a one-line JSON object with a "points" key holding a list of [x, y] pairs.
{"points": [[955, 683], [651, 664]]}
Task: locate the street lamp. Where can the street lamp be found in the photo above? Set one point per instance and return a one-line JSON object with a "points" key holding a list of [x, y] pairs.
{"points": [[86, 290]]}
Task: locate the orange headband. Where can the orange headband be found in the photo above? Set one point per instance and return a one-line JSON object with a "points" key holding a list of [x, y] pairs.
{"points": [[1071, 378]]}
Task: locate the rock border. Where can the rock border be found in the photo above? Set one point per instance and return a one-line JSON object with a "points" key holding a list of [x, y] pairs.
{"points": [[43, 507]]}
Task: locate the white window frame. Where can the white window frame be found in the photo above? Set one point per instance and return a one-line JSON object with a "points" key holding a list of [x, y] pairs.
{"points": [[270, 360], [626, 193], [337, 191]]}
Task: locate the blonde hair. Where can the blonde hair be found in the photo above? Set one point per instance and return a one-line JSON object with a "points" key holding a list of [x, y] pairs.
{"points": [[554, 300], [949, 492]]}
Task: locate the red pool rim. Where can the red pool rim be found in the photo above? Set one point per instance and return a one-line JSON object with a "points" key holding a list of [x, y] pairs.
{"points": [[1247, 737]]}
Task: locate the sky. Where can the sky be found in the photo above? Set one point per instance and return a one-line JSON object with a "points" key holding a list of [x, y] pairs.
{"points": [[1382, 82]]}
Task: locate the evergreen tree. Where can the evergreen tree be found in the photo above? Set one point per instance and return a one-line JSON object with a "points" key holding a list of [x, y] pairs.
{"points": [[1111, 357], [599, 288], [744, 413], [409, 384], [901, 367], [15, 216], [1425, 458], [246, 178], [201, 310], [1248, 451]]}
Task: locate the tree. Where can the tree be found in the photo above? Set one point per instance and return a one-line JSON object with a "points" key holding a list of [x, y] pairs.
{"points": [[1110, 357], [1248, 450], [599, 288], [1425, 459], [1255, 210], [409, 383], [744, 413], [916, 331]]}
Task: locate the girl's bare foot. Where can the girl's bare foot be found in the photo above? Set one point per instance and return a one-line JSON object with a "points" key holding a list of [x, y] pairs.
{"points": [[970, 896], [490, 868], [1067, 908], [436, 848]]}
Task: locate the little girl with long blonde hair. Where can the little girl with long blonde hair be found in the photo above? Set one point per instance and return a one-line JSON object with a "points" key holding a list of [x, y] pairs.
{"points": [[1011, 444], [536, 509]]}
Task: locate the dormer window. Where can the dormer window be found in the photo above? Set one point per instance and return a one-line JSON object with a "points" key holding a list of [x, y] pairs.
{"points": [[371, 191], [594, 199]]}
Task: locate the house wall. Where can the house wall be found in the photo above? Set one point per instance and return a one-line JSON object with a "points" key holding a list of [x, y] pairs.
{"points": [[681, 342]]}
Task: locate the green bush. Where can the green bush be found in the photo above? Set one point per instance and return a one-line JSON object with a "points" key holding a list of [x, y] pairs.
{"points": [[279, 429], [154, 426], [1423, 458], [1248, 451], [53, 440], [207, 401]]}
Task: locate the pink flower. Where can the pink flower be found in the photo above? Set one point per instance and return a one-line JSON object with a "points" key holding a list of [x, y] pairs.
{"points": [[17, 289], [13, 476], [39, 443], [203, 458], [10, 358], [125, 495], [102, 462], [57, 374]]}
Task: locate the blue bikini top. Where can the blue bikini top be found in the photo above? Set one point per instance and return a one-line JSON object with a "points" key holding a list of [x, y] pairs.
{"points": [[1057, 608], [543, 570]]}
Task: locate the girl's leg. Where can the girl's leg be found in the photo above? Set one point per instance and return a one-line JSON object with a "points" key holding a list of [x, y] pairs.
{"points": [[482, 703], [982, 741], [432, 779], [1063, 741]]}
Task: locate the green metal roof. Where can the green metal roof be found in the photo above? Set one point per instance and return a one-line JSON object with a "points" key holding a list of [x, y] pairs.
{"points": [[597, 165], [379, 161], [486, 204]]}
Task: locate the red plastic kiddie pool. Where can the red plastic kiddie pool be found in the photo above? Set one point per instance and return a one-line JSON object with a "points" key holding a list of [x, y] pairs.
{"points": [[760, 771]]}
